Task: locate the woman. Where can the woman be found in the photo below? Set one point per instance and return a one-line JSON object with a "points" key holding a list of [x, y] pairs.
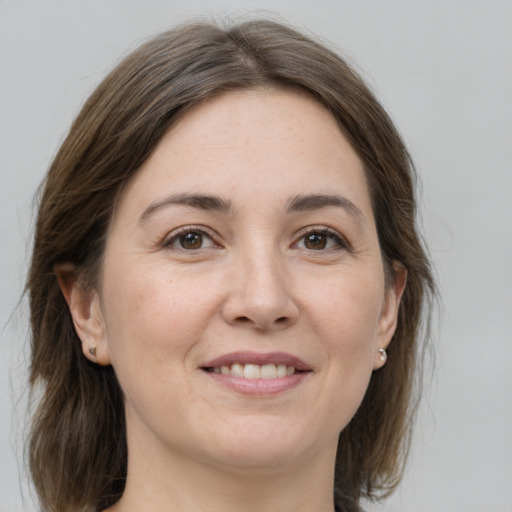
{"points": [[227, 284]]}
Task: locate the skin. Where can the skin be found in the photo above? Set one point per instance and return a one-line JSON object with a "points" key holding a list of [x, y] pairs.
{"points": [[265, 278]]}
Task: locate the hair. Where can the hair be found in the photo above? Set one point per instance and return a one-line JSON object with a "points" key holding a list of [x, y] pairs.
{"points": [[77, 450]]}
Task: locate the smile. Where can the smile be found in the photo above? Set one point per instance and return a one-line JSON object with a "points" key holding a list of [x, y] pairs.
{"points": [[258, 374], [255, 371]]}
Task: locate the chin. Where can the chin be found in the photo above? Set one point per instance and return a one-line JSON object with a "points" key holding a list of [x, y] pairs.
{"points": [[256, 446]]}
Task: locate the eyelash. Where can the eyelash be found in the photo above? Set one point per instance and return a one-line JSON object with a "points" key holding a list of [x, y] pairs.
{"points": [[340, 243], [176, 235]]}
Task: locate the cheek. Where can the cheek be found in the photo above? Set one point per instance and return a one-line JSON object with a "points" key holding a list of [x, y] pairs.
{"points": [[346, 317], [152, 317], [347, 313], [153, 324]]}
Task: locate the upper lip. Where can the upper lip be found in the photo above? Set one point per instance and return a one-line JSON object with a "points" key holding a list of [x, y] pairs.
{"points": [[258, 358]]}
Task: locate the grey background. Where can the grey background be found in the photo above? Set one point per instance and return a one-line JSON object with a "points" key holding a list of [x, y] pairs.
{"points": [[444, 71]]}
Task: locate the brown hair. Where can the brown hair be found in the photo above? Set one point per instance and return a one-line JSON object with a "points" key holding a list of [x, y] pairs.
{"points": [[78, 452]]}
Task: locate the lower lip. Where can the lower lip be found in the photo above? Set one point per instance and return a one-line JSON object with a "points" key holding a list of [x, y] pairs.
{"points": [[259, 387]]}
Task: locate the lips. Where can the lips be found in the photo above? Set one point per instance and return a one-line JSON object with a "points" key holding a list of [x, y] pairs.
{"points": [[251, 366], [255, 358]]}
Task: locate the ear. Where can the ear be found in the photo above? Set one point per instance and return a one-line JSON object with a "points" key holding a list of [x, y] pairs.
{"points": [[389, 314], [85, 308]]}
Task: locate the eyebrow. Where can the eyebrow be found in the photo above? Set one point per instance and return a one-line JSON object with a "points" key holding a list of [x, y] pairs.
{"points": [[199, 201], [316, 201], [298, 203]]}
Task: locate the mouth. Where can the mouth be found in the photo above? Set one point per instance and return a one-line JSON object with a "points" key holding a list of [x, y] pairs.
{"points": [[254, 371], [253, 366]]}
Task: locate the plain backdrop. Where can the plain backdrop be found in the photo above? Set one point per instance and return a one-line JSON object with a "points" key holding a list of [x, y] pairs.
{"points": [[443, 69]]}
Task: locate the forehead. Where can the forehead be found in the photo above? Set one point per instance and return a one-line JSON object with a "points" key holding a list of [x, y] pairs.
{"points": [[275, 143]]}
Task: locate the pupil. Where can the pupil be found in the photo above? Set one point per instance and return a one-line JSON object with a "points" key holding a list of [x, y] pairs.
{"points": [[191, 241], [316, 241]]}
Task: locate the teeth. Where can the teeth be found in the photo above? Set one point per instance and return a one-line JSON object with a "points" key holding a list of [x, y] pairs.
{"points": [[252, 371], [268, 371], [256, 371], [237, 370], [281, 370]]}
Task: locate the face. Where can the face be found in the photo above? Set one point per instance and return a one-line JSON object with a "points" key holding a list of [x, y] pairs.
{"points": [[243, 298]]}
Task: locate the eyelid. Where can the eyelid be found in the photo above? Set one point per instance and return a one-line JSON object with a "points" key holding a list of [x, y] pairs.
{"points": [[341, 241], [173, 236]]}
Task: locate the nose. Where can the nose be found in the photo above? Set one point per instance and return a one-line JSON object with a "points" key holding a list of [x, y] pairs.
{"points": [[259, 295]]}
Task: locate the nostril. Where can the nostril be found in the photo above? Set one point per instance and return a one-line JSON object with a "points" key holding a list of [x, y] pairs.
{"points": [[245, 320]]}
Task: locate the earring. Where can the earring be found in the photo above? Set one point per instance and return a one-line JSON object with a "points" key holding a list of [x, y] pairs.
{"points": [[92, 351], [383, 355]]}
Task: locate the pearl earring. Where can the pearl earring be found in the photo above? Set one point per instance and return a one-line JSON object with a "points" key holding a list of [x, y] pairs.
{"points": [[383, 355]]}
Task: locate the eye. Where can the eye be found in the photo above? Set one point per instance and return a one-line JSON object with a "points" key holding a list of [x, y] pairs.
{"points": [[321, 239], [189, 239]]}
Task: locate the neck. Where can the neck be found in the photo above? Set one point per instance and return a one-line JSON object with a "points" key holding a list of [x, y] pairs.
{"points": [[168, 484]]}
